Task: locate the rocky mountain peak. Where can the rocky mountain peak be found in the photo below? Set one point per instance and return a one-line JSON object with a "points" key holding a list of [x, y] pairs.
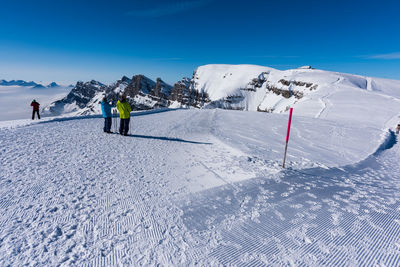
{"points": [[125, 79]]}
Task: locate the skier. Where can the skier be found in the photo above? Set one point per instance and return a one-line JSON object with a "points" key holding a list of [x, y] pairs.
{"points": [[124, 109], [398, 128], [35, 106], [106, 111]]}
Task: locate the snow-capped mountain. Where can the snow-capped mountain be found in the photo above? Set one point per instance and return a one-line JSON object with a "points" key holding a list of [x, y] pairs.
{"points": [[79, 99], [314, 93]]}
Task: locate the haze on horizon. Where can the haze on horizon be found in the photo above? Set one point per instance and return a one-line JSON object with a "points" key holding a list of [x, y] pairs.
{"points": [[66, 41]]}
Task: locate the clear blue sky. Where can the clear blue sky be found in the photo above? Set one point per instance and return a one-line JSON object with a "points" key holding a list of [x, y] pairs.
{"points": [[46, 40]]}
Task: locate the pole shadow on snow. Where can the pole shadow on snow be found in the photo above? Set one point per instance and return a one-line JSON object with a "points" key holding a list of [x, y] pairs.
{"points": [[168, 139]]}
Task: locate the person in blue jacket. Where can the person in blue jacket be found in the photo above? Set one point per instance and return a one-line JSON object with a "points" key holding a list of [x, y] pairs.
{"points": [[107, 115]]}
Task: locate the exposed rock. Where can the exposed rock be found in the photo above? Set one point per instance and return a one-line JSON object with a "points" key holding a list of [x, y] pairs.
{"points": [[283, 92], [297, 83], [78, 98], [180, 92]]}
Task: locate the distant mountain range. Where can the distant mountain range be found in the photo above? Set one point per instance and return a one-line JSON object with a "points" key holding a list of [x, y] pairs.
{"points": [[29, 84]]}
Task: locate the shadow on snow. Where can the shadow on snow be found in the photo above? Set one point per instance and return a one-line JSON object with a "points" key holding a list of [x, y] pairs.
{"points": [[168, 139]]}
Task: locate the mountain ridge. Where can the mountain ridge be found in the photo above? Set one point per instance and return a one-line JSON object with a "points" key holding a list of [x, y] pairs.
{"points": [[237, 87]]}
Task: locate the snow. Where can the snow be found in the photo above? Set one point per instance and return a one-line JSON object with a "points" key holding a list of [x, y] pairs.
{"points": [[199, 187], [145, 100], [219, 80], [329, 95], [120, 88]]}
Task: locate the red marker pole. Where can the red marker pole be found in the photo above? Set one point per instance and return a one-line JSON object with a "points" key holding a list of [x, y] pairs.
{"points": [[287, 136]]}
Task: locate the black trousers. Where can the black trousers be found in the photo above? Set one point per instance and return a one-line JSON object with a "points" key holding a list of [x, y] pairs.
{"points": [[33, 114], [107, 124], [124, 126]]}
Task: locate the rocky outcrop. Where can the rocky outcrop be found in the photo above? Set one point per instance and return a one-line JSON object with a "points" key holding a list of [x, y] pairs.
{"points": [[139, 84], [80, 96], [82, 93], [180, 92], [283, 92], [143, 93], [311, 86]]}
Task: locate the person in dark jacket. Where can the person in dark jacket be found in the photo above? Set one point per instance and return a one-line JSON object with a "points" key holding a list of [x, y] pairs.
{"points": [[35, 106], [106, 110]]}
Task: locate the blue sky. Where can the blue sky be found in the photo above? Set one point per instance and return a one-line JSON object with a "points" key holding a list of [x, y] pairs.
{"points": [[74, 40]]}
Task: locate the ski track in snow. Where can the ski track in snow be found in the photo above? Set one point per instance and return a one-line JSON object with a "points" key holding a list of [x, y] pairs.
{"points": [[178, 195], [324, 100]]}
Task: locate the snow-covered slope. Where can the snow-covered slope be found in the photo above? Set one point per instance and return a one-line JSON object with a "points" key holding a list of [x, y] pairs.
{"points": [[199, 187], [220, 81]]}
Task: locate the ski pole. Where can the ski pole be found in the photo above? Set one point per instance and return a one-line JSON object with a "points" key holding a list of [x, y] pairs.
{"points": [[287, 136], [115, 120], [129, 126], [130, 123]]}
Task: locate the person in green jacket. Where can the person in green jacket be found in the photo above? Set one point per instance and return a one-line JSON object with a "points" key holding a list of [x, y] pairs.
{"points": [[124, 109]]}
